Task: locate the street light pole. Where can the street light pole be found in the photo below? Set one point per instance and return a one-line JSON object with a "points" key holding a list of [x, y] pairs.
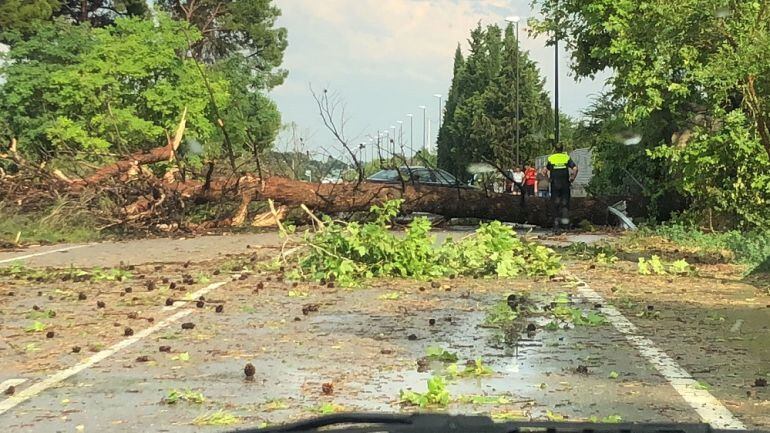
{"points": [[556, 79], [401, 135], [411, 134], [424, 127], [393, 141], [438, 125], [515, 20]]}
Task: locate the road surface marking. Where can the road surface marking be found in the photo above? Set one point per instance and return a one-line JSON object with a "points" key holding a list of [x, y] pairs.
{"points": [[11, 382], [65, 374], [192, 297], [42, 253], [711, 410]]}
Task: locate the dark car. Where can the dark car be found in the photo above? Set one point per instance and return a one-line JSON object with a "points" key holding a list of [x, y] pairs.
{"points": [[421, 175]]}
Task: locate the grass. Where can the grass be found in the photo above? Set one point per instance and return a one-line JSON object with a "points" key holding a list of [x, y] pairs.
{"points": [[328, 408], [749, 248], [64, 221], [475, 369], [174, 396], [219, 417], [484, 399]]}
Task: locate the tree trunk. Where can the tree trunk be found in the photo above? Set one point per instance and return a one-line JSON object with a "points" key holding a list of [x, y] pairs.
{"points": [[449, 202]]}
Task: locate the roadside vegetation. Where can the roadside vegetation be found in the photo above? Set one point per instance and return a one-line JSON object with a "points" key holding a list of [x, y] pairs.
{"points": [[350, 252]]}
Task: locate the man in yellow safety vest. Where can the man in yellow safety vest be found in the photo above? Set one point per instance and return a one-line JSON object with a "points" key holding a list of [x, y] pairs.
{"points": [[562, 170]]}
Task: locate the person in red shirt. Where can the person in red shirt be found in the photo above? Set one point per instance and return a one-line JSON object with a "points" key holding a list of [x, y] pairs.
{"points": [[530, 180]]}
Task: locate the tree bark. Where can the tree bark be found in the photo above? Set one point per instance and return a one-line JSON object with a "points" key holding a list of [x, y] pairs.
{"points": [[449, 202]]}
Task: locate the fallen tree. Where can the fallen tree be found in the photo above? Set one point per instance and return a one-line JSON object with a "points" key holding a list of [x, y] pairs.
{"points": [[156, 193], [449, 202]]}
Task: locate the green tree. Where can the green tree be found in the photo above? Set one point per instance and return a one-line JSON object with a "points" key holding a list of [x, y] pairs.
{"points": [[702, 75], [445, 140], [19, 18], [499, 115], [251, 118], [72, 89], [236, 27], [100, 13], [480, 120], [703, 53], [241, 43]]}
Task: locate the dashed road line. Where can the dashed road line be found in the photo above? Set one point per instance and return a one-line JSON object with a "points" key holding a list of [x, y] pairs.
{"points": [[43, 253], [192, 297], [11, 382], [65, 374], [708, 407]]}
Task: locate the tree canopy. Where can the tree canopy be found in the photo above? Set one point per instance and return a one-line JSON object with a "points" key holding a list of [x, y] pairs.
{"points": [[700, 71], [480, 119], [115, 79]]}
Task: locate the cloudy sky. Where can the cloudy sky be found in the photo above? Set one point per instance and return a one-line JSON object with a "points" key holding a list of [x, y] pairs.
{"points": [[386, 57]]}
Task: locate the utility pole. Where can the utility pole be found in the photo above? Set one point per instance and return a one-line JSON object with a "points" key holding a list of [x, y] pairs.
{"points": [[438, 125], [515, 20], [401, 135], [393, 141], [411, 134], [556, 80], [424, 127]]}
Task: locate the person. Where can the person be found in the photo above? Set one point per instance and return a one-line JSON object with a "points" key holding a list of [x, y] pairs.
{"points": [[530, 180], [562, 171], [518, 181], [543, 183]]}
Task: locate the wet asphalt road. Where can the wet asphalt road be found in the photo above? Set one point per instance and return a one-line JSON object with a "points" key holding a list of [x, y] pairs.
{"points": [[367, 347]]}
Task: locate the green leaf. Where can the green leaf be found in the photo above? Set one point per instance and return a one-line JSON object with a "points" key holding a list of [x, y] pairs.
{"points": [[36, 326], [440, 354]]}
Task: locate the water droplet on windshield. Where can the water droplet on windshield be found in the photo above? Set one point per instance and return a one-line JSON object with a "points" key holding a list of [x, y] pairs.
{"points": [[629, 138], [723, 12]]}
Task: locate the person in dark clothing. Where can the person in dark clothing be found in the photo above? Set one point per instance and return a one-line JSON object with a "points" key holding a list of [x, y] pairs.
{"points": [[562, 170]]}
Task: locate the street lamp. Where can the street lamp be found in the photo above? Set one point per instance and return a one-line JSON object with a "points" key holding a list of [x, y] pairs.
{"points": [[411, 133], [438, 125], [556, 79], [384, 134], [401, 134], [393, 140], [424, 127], [515, 20]]}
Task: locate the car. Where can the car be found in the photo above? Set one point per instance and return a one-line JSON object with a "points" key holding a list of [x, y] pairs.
{"points": [[418, 174]]}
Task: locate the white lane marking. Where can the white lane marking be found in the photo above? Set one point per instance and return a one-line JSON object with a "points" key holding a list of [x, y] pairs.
{"points": [[50, 381], [711, 410], [11, 382], [195, 295], [42, 253], [192, 297], [62, 375]]}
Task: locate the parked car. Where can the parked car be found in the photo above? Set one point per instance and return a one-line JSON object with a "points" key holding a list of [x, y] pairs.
{"points": [[494, 182], [416, 174]]}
